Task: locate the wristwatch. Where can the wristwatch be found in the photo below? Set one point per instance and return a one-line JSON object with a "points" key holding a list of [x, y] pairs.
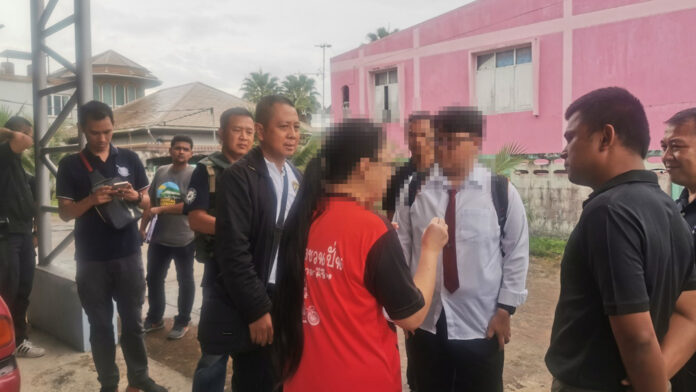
{"points": [[508, 308], [140, 198]]}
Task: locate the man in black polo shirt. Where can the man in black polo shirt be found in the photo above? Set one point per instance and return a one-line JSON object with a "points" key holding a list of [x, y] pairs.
{"points": [[628, 259], [421, 142], [109, 264], [679, 157], [236, 135], [17, 212]]}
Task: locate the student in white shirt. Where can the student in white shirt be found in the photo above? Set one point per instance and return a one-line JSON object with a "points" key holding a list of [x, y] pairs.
{"points": [[481, 280]]}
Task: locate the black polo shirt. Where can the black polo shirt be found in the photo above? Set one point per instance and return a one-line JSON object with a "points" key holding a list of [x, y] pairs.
{"points": [[630, 252], [396, 182], [688, 210], [16, 198], [94, 239], [198, 192]]}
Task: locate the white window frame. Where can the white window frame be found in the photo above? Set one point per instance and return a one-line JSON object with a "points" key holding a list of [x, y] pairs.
{"points": [[473, 68], [393, 88], [50, 107]]}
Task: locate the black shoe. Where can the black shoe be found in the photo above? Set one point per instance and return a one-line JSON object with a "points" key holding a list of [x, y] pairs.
{"points": [[108, 389], [149, 326], [148, 385]]}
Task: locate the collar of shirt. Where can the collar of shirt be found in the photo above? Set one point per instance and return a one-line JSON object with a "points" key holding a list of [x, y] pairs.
{"points": [[273, 169], [624, 178], [475, 179], [683, 201], [113, 151]]}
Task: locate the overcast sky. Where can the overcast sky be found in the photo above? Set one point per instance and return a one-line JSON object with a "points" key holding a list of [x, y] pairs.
{"points": [[218, 42]]}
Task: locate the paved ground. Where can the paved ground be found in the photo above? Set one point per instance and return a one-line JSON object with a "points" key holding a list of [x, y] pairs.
{"points": [[173, 362]]}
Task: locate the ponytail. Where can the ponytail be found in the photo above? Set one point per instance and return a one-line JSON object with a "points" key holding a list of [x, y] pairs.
{"points": [[289, 298], [341, 151]]}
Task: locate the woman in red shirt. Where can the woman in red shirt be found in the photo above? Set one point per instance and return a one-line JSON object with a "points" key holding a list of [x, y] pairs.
{"points": [[342, 267]]}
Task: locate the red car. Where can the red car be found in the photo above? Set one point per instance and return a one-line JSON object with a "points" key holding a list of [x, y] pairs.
{"points": [[9, 373]]}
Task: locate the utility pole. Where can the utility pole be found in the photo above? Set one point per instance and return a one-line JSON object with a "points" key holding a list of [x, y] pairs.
{"points": [[323, 47]]}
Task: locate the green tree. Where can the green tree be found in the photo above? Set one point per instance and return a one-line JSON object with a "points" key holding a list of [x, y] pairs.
{"points": [[303, 94], [509, 156], [306, 152], [5, 114], [380, 33], [259, 84]]}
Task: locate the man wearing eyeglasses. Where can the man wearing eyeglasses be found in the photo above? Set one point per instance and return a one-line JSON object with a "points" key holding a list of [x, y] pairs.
{"points": [[481, 280]]}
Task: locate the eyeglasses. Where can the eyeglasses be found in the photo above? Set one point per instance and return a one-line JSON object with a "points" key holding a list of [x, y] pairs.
{"points": [[453, 138]]}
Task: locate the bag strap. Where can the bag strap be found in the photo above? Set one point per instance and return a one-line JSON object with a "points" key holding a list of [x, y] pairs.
{"points": [[499, 193], [86, 162]]}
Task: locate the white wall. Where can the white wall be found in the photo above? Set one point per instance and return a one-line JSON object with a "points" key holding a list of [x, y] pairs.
{"points": [[16, 91]]}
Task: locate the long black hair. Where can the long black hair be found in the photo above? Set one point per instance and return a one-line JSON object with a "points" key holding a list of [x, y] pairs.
{"points": [[342, 149]]}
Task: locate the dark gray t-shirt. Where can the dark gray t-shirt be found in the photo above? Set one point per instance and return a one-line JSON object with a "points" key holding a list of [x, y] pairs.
{"points": [[167, 188]]}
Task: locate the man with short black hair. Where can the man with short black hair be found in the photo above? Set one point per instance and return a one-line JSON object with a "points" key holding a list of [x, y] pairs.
{"points": [[236, 134], [421, 143], [481, 280], [256, 194], [109, 264], [17, 211], [679, 157], [170, 238], [619, 282]]}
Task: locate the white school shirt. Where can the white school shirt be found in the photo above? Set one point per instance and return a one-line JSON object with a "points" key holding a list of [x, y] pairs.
{"points": [[486, 278], [293, 186]]}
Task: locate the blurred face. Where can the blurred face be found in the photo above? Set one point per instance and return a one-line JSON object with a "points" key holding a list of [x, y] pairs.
{"points": [[421, 143], [180, 152], [679, 153], [280, 136], [582, 153], [98, 134], [376, 174], [27, 130], [238, 136], [456, 152]]}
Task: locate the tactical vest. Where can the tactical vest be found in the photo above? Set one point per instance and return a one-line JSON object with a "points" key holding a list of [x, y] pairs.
{"points": [[215, 164]]}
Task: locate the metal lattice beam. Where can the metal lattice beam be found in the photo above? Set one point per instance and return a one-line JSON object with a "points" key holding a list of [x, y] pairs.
{"points": [[82, 68]]}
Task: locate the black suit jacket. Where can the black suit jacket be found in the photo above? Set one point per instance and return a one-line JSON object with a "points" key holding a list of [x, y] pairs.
{"points": [[246, 210]]}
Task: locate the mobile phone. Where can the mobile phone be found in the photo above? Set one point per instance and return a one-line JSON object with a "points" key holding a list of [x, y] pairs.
{"points": [[120, 185]]}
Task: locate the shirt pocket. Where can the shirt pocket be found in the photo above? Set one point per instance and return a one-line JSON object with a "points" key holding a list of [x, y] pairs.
{"points": [[476, 225]]}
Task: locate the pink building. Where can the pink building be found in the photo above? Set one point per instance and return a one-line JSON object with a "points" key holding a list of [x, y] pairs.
{"points": [[523, 63]]}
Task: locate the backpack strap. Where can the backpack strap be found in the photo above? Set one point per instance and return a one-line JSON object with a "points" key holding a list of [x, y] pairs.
{"points": [[499, 194], [414, 186]]}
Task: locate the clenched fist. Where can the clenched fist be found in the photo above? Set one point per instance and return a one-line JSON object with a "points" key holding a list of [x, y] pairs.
{"points": [[435, 235]]}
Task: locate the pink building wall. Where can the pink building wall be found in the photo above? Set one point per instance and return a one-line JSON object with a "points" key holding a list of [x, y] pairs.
{"points": [[577, 46]]}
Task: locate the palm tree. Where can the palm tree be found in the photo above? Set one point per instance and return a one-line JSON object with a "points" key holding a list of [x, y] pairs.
{"points": [[380, 33], [303, 94], [509, 156], [259, 84], [305, 153]]}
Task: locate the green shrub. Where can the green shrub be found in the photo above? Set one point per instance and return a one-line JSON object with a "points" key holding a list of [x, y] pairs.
{"points": [[546, 247]]}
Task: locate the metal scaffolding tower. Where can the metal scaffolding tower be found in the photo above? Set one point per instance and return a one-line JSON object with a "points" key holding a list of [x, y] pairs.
{"points": [[43, 131]]}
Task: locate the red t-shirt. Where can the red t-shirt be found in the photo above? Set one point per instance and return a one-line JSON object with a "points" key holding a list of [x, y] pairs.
{"points": [[354, 268]]}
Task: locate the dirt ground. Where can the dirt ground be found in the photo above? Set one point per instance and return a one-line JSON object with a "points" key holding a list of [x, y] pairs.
{"points": [[525, 370], [524, 355]]}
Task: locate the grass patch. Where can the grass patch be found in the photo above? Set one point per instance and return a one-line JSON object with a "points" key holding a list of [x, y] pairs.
{"points": [[546, 247]]}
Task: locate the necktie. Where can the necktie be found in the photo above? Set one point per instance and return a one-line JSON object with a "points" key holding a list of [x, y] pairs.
{"points": [[449, 253]]}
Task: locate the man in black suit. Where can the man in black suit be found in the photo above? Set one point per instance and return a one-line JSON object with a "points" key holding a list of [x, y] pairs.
{"points": [[255, 196]]}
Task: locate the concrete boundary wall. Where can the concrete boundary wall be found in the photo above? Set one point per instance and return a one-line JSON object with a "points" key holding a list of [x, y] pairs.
{"points": [[554, 204]]}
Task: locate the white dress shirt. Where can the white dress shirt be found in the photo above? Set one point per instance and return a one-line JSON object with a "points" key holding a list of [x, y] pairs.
{"points": [[486, 278], [293, 186]]}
